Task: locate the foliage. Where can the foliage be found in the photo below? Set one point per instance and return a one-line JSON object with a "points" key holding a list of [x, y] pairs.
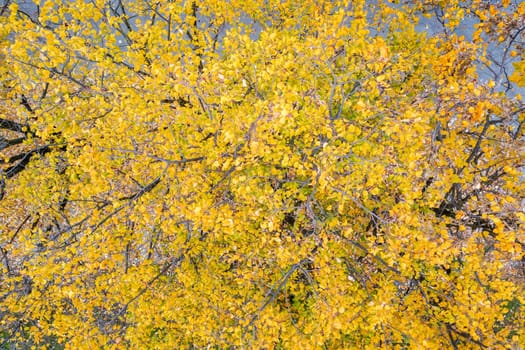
{"points": [[262, 174]]}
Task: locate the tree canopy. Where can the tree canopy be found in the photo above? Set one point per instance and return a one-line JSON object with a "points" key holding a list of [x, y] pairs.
{"points": [[262, 174]]}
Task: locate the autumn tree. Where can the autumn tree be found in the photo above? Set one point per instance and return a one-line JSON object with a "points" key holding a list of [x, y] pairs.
{"points": [[262, 174]]}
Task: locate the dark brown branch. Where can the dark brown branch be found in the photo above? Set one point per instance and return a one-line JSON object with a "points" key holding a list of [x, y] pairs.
{"points": [[477, 147], [172, 263], [143, 190], [13, 126], [131, 198], [18, 229], [44, 93], [466, 336], [5, 7], [276, 290], [4, 143], [26, 104], [127, 65], [24, 160], [6, 261]]}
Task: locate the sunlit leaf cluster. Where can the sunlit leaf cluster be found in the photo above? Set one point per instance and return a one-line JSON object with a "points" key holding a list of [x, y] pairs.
{"points": [[288, 174]]}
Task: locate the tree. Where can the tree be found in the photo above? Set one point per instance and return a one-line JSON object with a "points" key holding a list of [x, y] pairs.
{"points": [[262, 174]]}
